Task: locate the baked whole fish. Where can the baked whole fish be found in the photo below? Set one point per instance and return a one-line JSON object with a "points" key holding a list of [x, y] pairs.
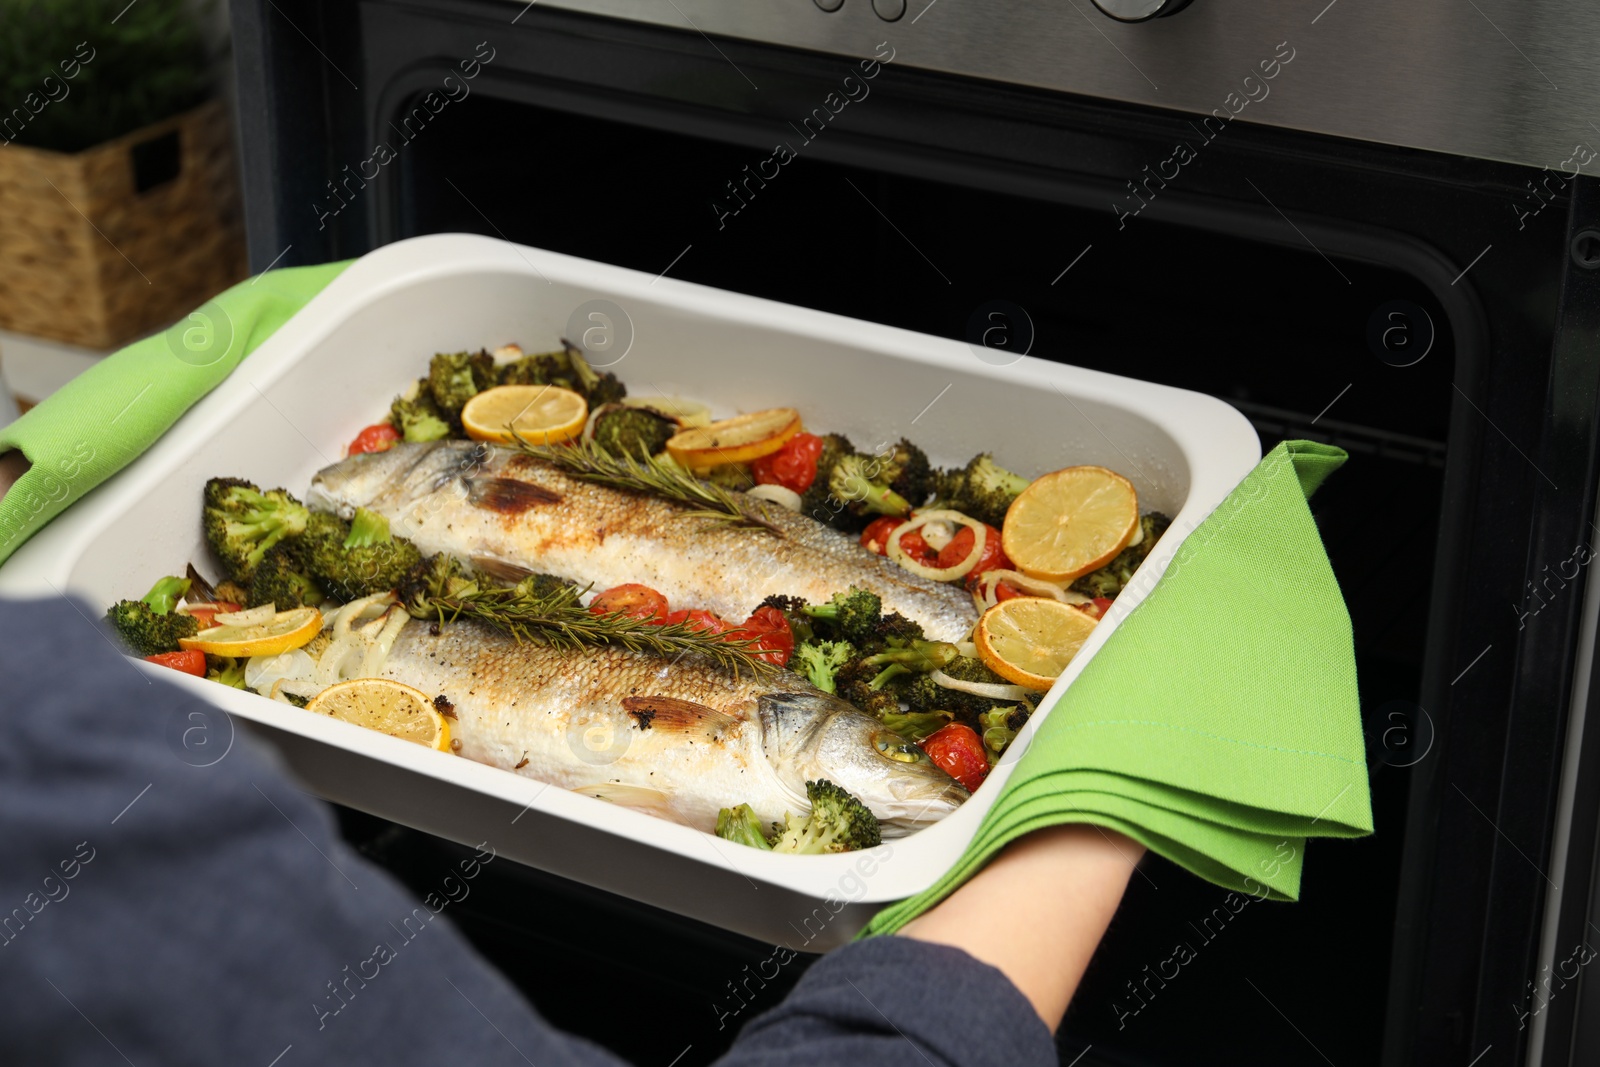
{"points": [[677, 739], [495, 506]]}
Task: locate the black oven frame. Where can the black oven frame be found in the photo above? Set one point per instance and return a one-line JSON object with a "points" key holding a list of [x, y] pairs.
{"points": [[1472, 907]]}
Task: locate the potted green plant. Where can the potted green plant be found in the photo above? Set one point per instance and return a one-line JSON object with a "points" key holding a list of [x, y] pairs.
{"points": [[118, 192]]}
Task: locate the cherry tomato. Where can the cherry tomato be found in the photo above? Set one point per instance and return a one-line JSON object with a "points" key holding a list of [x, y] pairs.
{"points": [[875, 538], [960, 547], [206, 614], [957, 750], [699, 619], [794, 466], [1096, 608], [633, 600], [189, 661], [379, 437], [771, 633], [1005, 591]]}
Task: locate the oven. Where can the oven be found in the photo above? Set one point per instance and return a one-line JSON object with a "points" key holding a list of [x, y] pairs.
{"points": [[1375, 227]]}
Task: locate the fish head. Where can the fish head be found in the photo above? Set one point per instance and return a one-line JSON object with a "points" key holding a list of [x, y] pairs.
{"points": [[807, 736], [394, 477]]}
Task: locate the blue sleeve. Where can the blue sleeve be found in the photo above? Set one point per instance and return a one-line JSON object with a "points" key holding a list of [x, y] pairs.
{"points": [[167, 896], [896, 1002]]}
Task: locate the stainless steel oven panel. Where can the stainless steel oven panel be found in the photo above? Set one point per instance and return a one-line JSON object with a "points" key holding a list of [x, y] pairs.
{"points": [[1509, 80]]}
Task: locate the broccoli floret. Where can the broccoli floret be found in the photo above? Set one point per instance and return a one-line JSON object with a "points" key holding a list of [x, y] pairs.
{"points": [[279, 580], [735, 476], [544, 586], [918, 656], [1111, 579], [597, 387], [456, 377], [628, 431], [419, 419], [149, 632], [907, 471], [854, 616], [860, 684], [916, 725], [437, 576], [794, 610], [226, 669], [541, 368], [357, 559], [838, 823], [242, 523], [163, 597], [820, 661], [898, 631], [818, 502], [852, 481], [999, 726], [567, 369], [982, 489], [741, 826], [924, 694]]}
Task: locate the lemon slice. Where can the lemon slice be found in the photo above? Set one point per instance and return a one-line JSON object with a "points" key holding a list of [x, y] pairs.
{"points": [[1070, 522], [284, 631], [388, 707], [1030, 640], [687, 412], [736, 440], [540, 414]]}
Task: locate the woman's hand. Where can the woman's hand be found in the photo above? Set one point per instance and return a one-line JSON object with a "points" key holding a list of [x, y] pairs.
{"points": [[13, 465], [1059, 887]]}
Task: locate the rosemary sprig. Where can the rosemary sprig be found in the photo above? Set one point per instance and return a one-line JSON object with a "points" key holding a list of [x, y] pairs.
{"points": [[657, 475], [544, 609]]}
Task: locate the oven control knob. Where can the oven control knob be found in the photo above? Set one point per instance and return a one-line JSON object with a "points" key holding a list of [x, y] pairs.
{"points": [[1139, 10], [889, 10], [830, 5]]}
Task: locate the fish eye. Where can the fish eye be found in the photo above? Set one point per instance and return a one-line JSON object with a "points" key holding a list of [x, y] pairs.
{"points": [[893, 746]]}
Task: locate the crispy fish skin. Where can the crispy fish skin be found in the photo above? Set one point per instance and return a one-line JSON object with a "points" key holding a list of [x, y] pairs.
{"points": [[497, 507], [678, 740]]}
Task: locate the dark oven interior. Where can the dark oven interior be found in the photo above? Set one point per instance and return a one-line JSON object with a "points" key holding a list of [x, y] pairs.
{"points": [[1316, 285]]}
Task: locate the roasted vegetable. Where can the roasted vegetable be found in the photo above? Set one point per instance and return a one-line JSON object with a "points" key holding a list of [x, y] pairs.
{"points": [[838, 823], [818, 502], [852, 616], [820, 661], [922, 693], [1111, 579], [228, 670], [568, 369], [419, 419], [907, 471], [852, 482], [279, 580], [632, 431], [150, 627], [242, 523], [456, 377], [998, 726], [357, 559], [741, 826], [982, 489], [916, 725]]}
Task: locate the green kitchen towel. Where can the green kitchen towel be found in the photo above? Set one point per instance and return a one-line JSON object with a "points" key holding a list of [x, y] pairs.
{"points": [[101, 420], [1219, 726]]}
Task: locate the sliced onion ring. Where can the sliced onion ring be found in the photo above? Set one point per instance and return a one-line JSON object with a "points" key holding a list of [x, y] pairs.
{"points": [[938, 534], [980, 535], [986, 690], [250, 617], [781, 495], [989, 581]]}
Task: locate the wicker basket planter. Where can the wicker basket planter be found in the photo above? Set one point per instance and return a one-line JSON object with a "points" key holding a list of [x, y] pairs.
{"points": [[101, 246]]}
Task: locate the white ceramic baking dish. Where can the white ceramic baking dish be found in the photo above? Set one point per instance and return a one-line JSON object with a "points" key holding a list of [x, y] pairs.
{"points": [[290, 408]]}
